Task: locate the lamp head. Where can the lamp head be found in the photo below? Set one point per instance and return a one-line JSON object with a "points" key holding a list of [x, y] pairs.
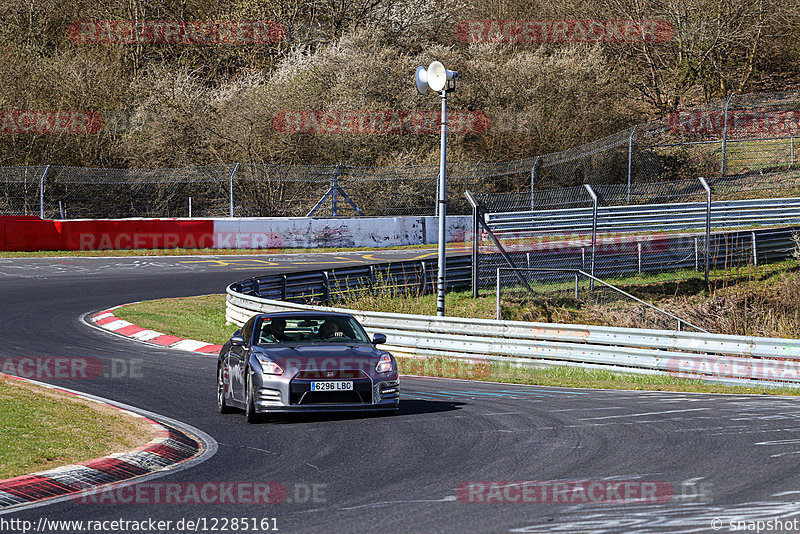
{"points": [[421, 79]]}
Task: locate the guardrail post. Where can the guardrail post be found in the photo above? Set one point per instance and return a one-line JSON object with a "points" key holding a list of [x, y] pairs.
{"points": [[326, 286], [708, 225], [594, 230], [639, 255], [630, 160], [696, 255], [533, 180], [283, 287], [41, 192], [230, 188], [423, 277], [725, 134], [755, 249], [792, 150]]}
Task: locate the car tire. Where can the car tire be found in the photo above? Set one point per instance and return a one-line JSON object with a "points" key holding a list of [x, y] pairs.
{"points": [[222, 406], [250, 404]]}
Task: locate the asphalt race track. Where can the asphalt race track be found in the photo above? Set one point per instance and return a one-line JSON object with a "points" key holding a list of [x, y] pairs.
{"points": [[721, 457]]}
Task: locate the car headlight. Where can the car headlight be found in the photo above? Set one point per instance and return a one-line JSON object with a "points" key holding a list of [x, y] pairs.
{"points": [[385, 364], [268, 367]]}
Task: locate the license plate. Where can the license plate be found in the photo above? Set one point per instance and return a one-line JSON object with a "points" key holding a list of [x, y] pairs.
{"points": [[332, 386]]}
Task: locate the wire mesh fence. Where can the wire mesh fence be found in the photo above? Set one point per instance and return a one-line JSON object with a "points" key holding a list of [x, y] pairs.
{"points": [[743, 145], [560, 293]]}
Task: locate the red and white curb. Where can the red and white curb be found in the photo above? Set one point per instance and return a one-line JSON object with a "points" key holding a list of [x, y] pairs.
{"points": [[171, 448], [108, 321]]}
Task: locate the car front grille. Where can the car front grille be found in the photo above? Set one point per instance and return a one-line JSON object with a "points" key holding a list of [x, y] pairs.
{"points": [[300, 393], [334, 374]]}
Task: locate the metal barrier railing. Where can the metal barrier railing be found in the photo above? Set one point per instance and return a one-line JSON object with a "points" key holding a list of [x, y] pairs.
{"points": [[732, 360]]}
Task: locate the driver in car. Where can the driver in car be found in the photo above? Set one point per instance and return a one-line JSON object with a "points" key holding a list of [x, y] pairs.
{"points": [[330, 329], [276, 329]]}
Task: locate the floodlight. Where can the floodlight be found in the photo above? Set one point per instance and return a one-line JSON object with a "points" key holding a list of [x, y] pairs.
{"points": [[438, 79], [421, 79]]}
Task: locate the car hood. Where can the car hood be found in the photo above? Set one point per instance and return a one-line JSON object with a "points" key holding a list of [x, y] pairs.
{"points": [[305, 353]]}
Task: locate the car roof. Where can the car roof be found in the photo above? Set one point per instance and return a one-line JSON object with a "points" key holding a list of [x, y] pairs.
{"points": [[304, 313]]}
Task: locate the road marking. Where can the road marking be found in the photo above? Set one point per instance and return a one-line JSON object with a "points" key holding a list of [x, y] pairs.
{"points": [[644, 414]]}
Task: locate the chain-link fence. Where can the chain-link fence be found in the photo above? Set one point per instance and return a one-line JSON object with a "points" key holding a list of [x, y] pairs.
{"points": [[745, 145], [245, 190]]}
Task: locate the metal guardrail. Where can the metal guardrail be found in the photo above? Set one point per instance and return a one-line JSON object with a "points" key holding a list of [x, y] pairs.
{"points": [[323, 285], [733, 360], [652, 217], [622, 257]]}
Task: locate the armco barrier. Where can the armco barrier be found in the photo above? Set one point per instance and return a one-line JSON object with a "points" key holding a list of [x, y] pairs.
{"points": [[652, 217], [402, 276], [734, 360]]}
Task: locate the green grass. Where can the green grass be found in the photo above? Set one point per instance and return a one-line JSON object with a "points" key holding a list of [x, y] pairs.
{"points": [[41, 429], [201, 318], [573, 377]]}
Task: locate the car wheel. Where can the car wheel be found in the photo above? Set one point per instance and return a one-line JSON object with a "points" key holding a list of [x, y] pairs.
{"points": [[222, 406], [250, 405]]}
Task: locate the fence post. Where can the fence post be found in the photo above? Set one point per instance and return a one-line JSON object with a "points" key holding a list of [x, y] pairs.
{"points": [[476, 236], [708, 225], [497, 295], [335, 190], [41, 192], [576, 286], [630, 160], [639, 255], [230, 188], [594, 230], [725, 134], [792, 150], [533, 180]]}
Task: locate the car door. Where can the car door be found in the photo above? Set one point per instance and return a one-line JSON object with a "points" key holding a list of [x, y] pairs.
{"points": [[238, 361]]}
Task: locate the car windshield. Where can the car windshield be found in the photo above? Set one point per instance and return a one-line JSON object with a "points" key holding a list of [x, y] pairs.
{"points": [[311, 330]]}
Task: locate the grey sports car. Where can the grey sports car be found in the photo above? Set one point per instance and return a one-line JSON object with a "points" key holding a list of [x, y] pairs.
{"points": [[305, 362]]}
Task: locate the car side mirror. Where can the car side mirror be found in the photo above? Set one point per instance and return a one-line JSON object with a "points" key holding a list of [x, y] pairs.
{"points": [[237, 340], [378, 339]]}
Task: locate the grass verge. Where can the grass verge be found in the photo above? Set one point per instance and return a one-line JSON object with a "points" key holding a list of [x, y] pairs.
{"points": [[41, 429], [208, 324]]}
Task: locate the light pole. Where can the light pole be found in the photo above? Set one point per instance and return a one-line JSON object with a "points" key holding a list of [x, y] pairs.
{"points": [[442, 81]]}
